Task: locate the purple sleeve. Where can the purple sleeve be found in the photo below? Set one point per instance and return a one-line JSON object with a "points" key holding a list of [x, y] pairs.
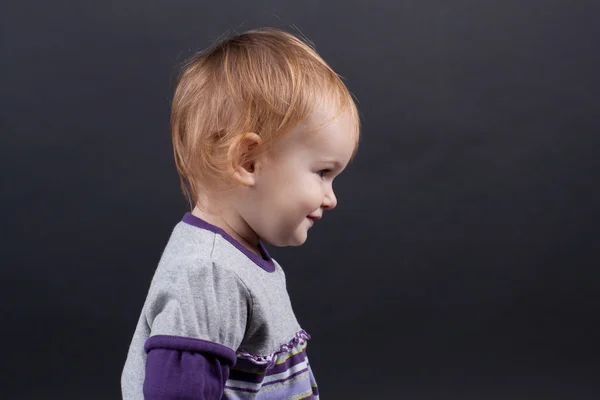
{"points": [[185, 368]]}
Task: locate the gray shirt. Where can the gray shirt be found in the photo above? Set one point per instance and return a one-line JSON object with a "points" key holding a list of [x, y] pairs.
{"points": [[212, 297]]}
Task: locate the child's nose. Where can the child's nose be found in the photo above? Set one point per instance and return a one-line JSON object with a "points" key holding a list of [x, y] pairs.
{"points": [[330, 200]]}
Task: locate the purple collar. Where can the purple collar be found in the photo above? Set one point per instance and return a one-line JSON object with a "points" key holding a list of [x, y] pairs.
{"points": [[265, 262]]}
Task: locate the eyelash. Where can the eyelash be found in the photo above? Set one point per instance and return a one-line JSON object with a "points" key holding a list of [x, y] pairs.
{"points": [[324, 171]]}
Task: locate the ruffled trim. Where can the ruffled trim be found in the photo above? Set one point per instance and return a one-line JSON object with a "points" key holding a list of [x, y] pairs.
{"points": [[299, 338]]}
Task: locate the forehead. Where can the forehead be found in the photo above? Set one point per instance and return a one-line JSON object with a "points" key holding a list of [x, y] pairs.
{"points": [[326, 135]]}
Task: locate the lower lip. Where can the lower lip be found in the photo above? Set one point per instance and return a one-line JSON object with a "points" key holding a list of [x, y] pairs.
{"points": [[311, 221]]}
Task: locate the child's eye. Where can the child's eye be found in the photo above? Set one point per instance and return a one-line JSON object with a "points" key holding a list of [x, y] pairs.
{"points": [[323, 172]]}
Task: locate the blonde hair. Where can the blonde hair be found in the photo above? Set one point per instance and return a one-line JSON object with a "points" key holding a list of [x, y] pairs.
{"points": [[264, 81]]}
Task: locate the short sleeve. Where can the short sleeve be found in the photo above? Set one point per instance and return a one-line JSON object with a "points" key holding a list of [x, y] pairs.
{"points": [[197, 317], [205, 302]]}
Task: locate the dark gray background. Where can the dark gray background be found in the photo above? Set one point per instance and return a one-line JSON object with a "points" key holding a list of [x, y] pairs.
{"points": [[461, 262]]}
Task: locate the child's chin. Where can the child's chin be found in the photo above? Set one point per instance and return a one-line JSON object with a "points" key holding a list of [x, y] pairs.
{"points": [[295, 241], [293, 238], [298, 239], [301, 239]]}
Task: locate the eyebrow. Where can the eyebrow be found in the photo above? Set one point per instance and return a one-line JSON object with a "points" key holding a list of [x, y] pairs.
{"points": [[336, 163]]}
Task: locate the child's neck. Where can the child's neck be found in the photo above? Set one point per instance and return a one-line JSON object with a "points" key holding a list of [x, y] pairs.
{"points": [[232, 225]]}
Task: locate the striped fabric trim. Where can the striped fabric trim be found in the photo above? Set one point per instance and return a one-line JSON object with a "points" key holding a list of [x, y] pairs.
{"points": [[286, 376], [299, 338]]}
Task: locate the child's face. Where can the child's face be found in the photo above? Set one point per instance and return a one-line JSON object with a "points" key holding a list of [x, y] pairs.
{"points": [[295, 180]]}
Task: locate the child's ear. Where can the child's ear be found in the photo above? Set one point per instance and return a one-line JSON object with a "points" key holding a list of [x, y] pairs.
{"points": [[241, 161]]}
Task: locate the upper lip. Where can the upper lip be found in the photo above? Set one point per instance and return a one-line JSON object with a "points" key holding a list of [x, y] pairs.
{"points": [[314, 216]]}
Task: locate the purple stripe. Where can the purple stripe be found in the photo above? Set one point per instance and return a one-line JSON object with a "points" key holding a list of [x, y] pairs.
{"points": [[243, 376], [246, 365], [241, 389], [289, 363], [257, 376], [286, 378], [291, 390], [269, 383], [193, 345], [265, 262], [302, 385]]}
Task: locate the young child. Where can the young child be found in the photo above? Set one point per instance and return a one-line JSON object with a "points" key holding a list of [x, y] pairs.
{"points": [[261, 126]]}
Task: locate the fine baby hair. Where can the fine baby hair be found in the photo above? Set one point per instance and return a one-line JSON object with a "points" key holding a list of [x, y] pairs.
{"points": [[261, 116], [264, 81]]}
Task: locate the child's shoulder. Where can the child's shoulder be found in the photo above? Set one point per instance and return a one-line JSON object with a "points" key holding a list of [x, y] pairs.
{"points": [[198, 250]]}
